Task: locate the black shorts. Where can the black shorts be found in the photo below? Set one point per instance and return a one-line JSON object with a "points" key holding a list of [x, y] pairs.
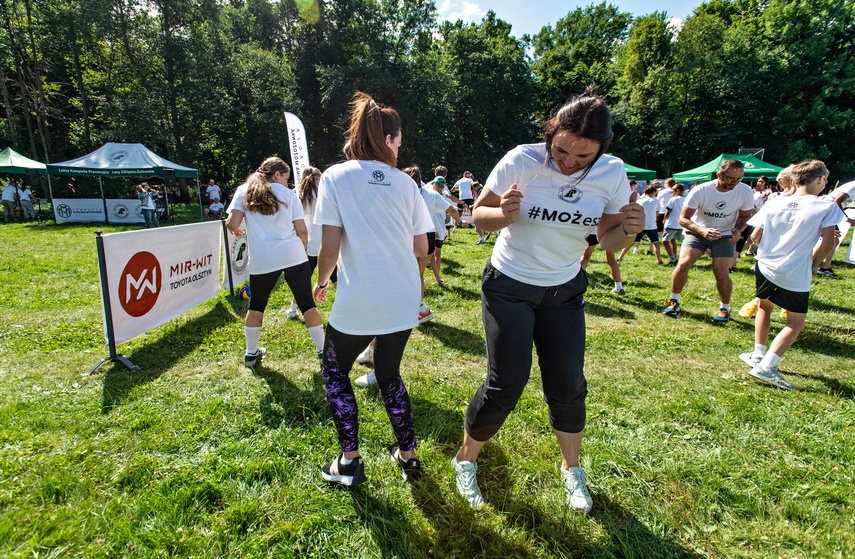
{"points": [[660, 222], [313, 264], [438, 244], [431, 236], [592, 240], [793, 301], [652, 234]]}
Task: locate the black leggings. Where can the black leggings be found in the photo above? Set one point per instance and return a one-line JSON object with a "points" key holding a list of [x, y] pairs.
{"points": [[340, 351], [298, 278], [517, 315], [313, 263]]}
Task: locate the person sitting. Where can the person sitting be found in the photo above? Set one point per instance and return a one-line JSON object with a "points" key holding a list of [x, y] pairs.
{"points": [[215, 210]]}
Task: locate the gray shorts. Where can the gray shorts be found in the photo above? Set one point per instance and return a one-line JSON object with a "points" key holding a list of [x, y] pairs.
{"points": [[721, 248], [673, 235]]}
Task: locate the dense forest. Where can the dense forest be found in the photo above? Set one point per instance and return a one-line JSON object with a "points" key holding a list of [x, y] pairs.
{"points": [[205, 83]]}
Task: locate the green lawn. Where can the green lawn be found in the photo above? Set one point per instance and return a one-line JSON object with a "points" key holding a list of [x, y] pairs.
{"points": [[196, 456]]}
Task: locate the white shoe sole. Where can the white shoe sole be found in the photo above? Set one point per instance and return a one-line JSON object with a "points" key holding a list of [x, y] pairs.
{"points": [[747, 358]]}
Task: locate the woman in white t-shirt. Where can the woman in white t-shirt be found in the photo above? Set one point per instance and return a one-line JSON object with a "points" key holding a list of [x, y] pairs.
{"points": [[307, 192], [546, 199], [374, 226], [277, 236]]}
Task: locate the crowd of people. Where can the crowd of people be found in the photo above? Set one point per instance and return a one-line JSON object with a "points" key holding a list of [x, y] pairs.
{"points": [[18, 202], [373, 230]]}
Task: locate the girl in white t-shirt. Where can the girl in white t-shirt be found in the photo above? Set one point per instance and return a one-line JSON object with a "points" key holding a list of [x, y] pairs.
{"points": [[307, 192], [546, 199], [277, 236], [374, 225]]}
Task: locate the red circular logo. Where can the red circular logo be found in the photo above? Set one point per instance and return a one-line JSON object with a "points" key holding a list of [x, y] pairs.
{"points": [[140, 284]]}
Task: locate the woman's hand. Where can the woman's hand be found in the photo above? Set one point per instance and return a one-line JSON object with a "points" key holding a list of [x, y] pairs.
{"points": [[633, 219], [320, 293], [510, 203]]}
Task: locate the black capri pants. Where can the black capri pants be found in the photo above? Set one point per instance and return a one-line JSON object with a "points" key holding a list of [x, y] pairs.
{"points": [[298, 278], [517, 315]]}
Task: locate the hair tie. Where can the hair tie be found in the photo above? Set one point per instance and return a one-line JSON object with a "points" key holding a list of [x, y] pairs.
{"points": [[260, 170]]}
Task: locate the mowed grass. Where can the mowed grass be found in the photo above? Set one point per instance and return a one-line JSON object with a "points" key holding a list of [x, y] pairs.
{"points": [[196, 456]]}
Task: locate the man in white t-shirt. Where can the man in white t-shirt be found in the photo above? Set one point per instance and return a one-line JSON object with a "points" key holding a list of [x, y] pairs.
{"points": [[713, 215], [10, 200], [213, 191], [215, 210], [786, 230], [841, 195], [664, 196], [673, 229]]}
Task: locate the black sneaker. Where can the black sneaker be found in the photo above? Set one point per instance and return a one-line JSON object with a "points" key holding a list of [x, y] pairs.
{"points": [[411, 469], [827, 272], [252, 359], [349, 475]]}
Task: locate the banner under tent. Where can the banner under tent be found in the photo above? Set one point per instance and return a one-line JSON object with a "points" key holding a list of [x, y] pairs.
{"points": [[753, 169], [113, 160]]}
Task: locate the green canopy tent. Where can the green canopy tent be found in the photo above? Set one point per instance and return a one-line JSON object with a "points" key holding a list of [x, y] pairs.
{"points": [[637, 173], [12, 162], [753, 168]]}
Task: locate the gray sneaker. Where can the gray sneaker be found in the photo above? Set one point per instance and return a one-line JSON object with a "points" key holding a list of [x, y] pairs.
{"points": [[770, 376], [467, 482], [620, 291], [578, 496], [749, 358]]}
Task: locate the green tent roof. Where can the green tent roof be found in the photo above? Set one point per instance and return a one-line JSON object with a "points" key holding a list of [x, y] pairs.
{"points": [[753, 168], [12, 162], [637, 173]]}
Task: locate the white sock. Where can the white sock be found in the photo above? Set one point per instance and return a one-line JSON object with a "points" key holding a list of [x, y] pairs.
{"points": [[676, 297], [252, 333], [725, 306], [618, 285], [422, 306], [344, 461], [760, 350], [769, 360], [317, 334], [294, 307]]}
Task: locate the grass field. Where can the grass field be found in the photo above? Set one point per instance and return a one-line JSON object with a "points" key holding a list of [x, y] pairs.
{"points": [[196, 456]]}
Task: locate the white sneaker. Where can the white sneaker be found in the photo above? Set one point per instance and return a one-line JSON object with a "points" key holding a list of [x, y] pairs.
{"points": [[366, 356], [578, 496], [750, 359], [292, 314], [635, 251], [467, 482], [366, 380], [771, 376]]}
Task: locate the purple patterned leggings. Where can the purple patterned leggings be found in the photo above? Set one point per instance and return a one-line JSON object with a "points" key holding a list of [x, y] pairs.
{"points": [[340, 351]]}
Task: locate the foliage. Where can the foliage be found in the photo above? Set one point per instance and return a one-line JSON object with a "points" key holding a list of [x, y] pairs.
{"points": [[205, 83]]}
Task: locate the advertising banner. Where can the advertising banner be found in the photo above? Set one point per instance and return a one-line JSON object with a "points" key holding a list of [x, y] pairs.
{"points": [[88, 210], [236, 249], [155, 275], [297, 146]]}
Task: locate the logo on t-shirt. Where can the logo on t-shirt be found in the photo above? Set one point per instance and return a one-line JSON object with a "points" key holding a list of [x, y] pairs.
{"points": [[792, 205], [378, 178], [570, 193], [721, 205]]}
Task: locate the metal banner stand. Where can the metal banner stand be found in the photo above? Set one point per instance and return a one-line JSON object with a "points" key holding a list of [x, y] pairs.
{"points": [[108, 313]]}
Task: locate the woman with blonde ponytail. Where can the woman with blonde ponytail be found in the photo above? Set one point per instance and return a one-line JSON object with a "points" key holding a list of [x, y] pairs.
{"points": [[374, 225], [277, 237]]}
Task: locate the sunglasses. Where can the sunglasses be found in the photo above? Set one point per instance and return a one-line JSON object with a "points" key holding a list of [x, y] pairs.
{"points": [[732, 179]]}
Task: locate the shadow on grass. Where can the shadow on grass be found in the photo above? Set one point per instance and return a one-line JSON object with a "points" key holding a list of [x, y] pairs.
{"points": [[822, 306], [835, 386], [595, 309], [827, 341], [160, 356], [456, 338], [286, 403]]}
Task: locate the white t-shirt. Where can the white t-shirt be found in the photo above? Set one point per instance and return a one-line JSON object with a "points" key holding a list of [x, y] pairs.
{"points": [[758, 200], [791, 226], [719, 210], [273, 241], [9, 192], [845, 188], [316, 230], [213, 191], [216, 206], [465, 186], [380, 210], [557, 214], [651, 207], [436, 205], [675, 204], [664, 196], [24, 194]]}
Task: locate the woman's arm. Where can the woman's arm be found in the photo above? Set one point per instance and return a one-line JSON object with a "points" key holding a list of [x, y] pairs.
{"points": [[302, 231], [493, 212], [617, 231], [233, 222], [327, 258], [420, 245]]}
